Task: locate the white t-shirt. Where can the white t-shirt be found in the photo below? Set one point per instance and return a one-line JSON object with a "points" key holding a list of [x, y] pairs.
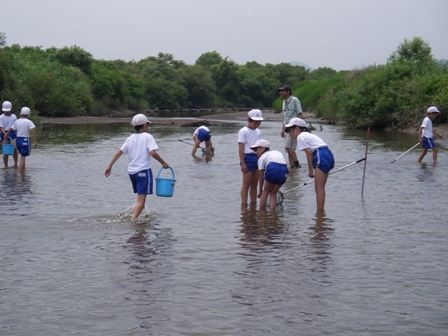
{"points": [[7, 121], [427, 128], [309, 140], [203, 127], [248, 137], [137, 147], [270, 156], [23, 126]]}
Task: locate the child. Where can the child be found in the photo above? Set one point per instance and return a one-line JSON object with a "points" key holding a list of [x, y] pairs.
{"points": [[139, 147], [7, 119], [425, 134], [23, 128], [247, 136], [201, 134], [318, 155], [273, 172]]}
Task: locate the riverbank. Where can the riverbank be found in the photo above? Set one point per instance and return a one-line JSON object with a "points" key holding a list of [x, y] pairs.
{"points": [[207, 119]]}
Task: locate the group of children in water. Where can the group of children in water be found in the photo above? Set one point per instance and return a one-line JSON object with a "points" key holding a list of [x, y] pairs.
{"points": [[264, 170], [267, 169]]}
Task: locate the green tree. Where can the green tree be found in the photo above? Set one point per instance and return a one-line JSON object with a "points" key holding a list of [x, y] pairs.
{"points": [[73, 56], [209, 59]]}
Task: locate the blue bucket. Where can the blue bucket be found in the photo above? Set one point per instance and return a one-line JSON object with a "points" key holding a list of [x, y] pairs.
{"points": [[8, 149], [165, 186]]}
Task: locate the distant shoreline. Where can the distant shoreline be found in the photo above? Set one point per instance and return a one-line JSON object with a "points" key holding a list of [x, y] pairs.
{"points": [[212, 119]]}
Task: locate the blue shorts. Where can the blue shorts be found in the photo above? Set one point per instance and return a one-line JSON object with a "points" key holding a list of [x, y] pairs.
{"points": [[428, 143], [12, 135], [23, 146], [276, 173], [203, 135], [142, 182], [323, 159], [251, 161]]}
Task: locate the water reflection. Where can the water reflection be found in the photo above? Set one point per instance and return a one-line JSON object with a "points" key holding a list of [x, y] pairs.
{"points": [[321, 232], [260, 228], [16, 191]]}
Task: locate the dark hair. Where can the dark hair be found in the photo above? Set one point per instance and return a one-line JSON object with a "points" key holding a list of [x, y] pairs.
{"points": [[266, 149], [138, 127]]}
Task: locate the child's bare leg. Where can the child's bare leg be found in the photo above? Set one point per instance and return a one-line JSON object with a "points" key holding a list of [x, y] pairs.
{"points": [[139, 206], [273, 194], [422, 155], [320, 179], [15, 157], [264, 195], [434, 155], [5, 161], [247, 181], [22, 163], [253, 187]]}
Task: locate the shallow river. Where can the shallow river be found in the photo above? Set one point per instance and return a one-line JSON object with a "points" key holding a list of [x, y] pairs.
{"points": [[199, 264]]}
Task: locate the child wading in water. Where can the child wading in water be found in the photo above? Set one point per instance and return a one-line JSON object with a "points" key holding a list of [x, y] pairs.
{"points": [[273, 172], [139, 147], [425, 134], [318, 155], [247, 136]]}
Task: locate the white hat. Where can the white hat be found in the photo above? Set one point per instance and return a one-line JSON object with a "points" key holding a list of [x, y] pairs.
{"points": [[139, 119], [296, 122], [433, 109], [255, 115], [260, 143], [6, 106], [25, 111]]}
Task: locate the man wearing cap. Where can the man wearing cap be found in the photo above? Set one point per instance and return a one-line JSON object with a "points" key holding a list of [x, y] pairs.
{"points": [[139, 147], [425, 134], [24, 128], [7, 119], [291, 108]]}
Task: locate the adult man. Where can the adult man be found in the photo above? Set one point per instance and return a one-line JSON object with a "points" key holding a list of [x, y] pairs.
{"points": [[291, 108]]}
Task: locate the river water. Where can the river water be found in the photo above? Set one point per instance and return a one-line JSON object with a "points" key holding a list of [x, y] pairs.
{"points": [[200, 264]]}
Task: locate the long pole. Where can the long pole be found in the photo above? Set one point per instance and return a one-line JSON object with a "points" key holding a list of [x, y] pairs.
{"points": [[332, 172], [365, 162], [418, 143]]}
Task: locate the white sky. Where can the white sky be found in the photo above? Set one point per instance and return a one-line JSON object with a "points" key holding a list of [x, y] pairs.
{"points": [[341, 34]]}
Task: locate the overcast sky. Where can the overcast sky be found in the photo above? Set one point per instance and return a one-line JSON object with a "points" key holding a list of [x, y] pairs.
{"points": [[341, 34]]}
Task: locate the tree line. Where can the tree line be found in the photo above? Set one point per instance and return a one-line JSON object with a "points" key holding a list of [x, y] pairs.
{"points": [[69, 82]]}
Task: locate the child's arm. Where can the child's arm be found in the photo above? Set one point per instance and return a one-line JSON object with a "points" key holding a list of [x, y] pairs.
{"points": [[158, 158], [260, 182], [309, 159], [420, 131], [434, 131], [114, 159], [33, 136], [241, 155]]}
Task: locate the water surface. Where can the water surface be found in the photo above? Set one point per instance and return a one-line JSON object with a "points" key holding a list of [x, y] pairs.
{"points": [[200, 264]]}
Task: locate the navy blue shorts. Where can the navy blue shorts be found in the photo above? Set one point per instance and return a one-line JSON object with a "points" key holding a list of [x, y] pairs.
{"points": [[142, 182], [203, 135], [251, 161], [276, 173], [23, 146], [428, 143], [323, 159]]}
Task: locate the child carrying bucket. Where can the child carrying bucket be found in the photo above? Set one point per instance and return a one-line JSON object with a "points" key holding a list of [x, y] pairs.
{"points": [[7, 119], [139, 147]]}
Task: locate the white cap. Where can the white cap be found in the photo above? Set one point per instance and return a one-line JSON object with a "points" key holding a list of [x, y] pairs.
{"points": [[139, 119], [255, 115], [6, 106], [260, 143], [433, 109], [25, 111], [296, 122]]}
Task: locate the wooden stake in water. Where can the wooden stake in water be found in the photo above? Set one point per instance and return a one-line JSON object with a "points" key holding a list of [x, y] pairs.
{"points": [[365, 162]]}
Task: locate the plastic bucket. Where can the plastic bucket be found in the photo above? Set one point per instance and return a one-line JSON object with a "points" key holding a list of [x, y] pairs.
{"points": [[8, 149], [165, 186]]}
